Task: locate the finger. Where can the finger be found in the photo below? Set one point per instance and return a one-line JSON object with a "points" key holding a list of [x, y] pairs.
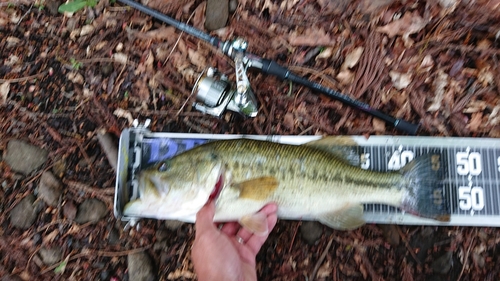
{"points": [[205, 218], [255, 242], [270, 208], [230, 228]]}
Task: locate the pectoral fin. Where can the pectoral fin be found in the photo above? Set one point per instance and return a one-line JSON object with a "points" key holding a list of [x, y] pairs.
{"points": [[256, 223], [258, 188], [348, 218]]}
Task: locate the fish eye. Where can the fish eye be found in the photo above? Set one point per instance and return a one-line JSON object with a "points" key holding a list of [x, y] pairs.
{"points": [[164, 166]]}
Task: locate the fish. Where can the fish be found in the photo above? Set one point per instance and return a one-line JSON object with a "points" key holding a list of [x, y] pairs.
{"points": [[315, 181]]}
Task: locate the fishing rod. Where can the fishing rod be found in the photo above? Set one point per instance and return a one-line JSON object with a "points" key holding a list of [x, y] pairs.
{"points": [[215, 96]]}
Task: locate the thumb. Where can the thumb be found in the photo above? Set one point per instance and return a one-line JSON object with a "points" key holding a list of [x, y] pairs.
{"points": [[205, 217]]}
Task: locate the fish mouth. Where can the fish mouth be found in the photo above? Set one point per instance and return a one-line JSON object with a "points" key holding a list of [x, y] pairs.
{"points": [[218, 187]]}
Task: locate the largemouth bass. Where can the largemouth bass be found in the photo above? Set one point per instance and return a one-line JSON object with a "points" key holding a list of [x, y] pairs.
{"points": [[308, 182]]}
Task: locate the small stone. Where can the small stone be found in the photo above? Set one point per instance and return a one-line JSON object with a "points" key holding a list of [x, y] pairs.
{"points": [[161, 235], [113, 236], [443, 263], [173, 224], [391, 233], [50, 256], [91, 210], [140, 267], [311, 231], [216, 14], [69, 210], [49, 189], [106, 69], [23, 157], [24, 214]]}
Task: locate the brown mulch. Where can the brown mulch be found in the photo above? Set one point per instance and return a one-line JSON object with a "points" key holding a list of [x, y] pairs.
{"points": [[62, 79]]}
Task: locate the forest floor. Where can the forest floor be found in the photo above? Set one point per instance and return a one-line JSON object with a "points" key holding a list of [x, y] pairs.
{"points": [[66, 79]]}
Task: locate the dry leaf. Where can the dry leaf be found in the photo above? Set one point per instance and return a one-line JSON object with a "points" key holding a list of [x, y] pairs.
{"points": [[400, 80], [160, 34], [475, 122], [311, 37], [409, 24], [345, 77], [197, 59], [75, 77], [4, 92], [325, 54], [378, 125], [494, 118], [427, 63], [86, 30], [439, 86], [121, 113], [120, 58], [485, 76], [352, 58]]}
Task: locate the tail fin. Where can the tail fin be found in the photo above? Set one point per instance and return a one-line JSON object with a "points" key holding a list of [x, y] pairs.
{"points": [[426, 195]]}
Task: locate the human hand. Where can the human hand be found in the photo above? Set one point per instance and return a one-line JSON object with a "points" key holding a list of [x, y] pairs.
{"points": [[228, 253]]}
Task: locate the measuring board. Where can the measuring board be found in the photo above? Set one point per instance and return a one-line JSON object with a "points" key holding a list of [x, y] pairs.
{"points": [[471, 178]]}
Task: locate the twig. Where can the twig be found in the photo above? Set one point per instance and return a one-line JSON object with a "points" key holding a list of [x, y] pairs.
{"points": [[407, 245], [109, 148], [466, 257], [321, 259], [368, 265], [22, 79], [294, 235]]}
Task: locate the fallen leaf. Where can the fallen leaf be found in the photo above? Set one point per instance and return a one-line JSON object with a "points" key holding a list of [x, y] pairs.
{"points": [[75, 77], [122, 113], [311, 37], [120, 58], [439, 86], [378, 125], [345, 77], [160, 34], [197, 59], [427, 63], [325, 54], [400, 80], [494, 118], [86, 30], [475, 122], [352, 58], [409, 24], [485, 76], [4, 92]]}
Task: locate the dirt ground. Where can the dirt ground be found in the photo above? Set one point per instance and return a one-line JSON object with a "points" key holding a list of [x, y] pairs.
{"points": [[66, 78]]}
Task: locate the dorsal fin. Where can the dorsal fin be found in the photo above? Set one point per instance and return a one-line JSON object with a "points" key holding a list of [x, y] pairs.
{"points": [[343, 147]]}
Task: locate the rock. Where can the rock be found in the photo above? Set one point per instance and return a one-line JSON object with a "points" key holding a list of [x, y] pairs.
{"points": [[23, 157], [69, 210], [173, 224], [140, 267], [443, 263], [391, 233], [113, 236], [53, 6], [50, 256], [311, 231], [24, 214], [49, 189], [216, 14], [91, 210]]}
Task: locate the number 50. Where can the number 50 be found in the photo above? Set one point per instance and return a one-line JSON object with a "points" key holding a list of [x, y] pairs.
{"points": [[471, 198], [469, 163]]}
